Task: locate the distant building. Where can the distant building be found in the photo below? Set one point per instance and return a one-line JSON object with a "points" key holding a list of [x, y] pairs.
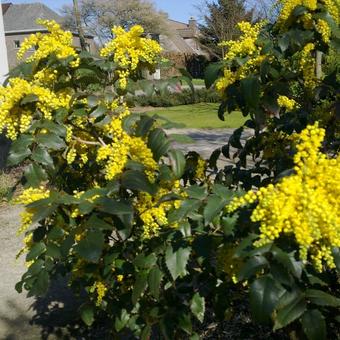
{"points": [[20, 23], [182, 46]]}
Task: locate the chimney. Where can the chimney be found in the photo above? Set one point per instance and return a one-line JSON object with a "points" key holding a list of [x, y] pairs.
{"points": [[193, 24]]}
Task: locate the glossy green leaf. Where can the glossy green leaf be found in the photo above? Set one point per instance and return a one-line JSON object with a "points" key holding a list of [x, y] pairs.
{"points": [[42, 156], [177, 260], [36, 250], [34, 175], [154, 281], [87, 313], [90, 248], [197, 306], [321, 298], [140, 285], [50, 141], [177, 162], [212, 73], [264, 295], [137, 180], [214, 206], [291, 306], [314, 325], [251, 267], [28, 99], [15, 157]]}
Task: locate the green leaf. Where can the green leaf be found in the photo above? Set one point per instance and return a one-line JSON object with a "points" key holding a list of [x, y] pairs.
{"points": [[143, 261], [158, 143], [95, 222], [41, 284], [314, 325], [41, 155], [90, 248], [137, 180], [87, 313], [15, 157], [139, 286], [251, 267], [177, 260], [34, 175], [228, 224], [184, 322], [50, 141], [251, 91], [177, 162], [53, 251], [321, 298], [154, 281], [264, 295], [290, 307], [99, 111], [28, 99], [113, 207], [214, 206], [121, 322], [197, 192], [36, 251], [197, 306], [212, 73], [288, 261]]}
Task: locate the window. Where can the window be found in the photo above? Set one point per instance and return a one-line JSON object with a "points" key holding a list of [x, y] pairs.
{"points": [[17, 43]]}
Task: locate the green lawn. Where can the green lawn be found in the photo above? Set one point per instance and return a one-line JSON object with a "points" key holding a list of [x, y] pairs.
{"points": [[202, 115], [198, 81]]}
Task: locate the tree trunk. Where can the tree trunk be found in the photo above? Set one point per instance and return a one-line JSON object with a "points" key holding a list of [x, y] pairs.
{"points": [[79, 26]]}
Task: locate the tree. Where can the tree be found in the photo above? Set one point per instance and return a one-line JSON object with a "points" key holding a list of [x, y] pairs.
{"points": [[219, 21], [98, 17]]}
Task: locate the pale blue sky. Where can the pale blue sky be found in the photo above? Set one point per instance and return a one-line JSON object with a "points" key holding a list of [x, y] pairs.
{"points": [[180, 10]]}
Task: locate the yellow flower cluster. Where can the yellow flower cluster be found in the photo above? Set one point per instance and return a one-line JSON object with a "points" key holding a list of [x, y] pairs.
{"points": [[13, 117], [129, 49], [288, 7], [200, 169], [333, 8], [101, 290], [152, 212], [289, 104], [29, 196], [124, 147], [308, 65], [57, 41], [325, 31], [305, 205], [243, 47]]}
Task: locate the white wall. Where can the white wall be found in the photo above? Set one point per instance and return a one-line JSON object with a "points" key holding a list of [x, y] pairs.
{"points": [[3, 50]]}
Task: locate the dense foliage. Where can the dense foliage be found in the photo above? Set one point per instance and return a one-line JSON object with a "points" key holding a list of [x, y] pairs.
{"points": [[153, 238]]}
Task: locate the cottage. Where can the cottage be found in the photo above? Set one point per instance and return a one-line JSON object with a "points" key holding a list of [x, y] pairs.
{"points": [[20, 22]]}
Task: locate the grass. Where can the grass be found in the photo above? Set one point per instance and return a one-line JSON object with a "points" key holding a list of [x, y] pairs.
{"points": [[198, 82], [200, 116]]}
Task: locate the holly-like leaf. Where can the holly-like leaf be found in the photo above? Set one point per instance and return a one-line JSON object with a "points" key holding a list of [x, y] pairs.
{"points": [[137, 180], [290, 307], [314, 325], [87, 313], [264, 295], [90, 248], [197, 306], [214, 206], [177, 260], [321, 298], [177, 161]]}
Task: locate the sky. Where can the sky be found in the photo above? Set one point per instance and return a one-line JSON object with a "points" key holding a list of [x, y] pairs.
{"points": [[180, 10]]}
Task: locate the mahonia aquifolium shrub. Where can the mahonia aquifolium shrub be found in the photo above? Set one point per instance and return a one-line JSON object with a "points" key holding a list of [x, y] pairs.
{"points": [[155, 238], [276, 74]]}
